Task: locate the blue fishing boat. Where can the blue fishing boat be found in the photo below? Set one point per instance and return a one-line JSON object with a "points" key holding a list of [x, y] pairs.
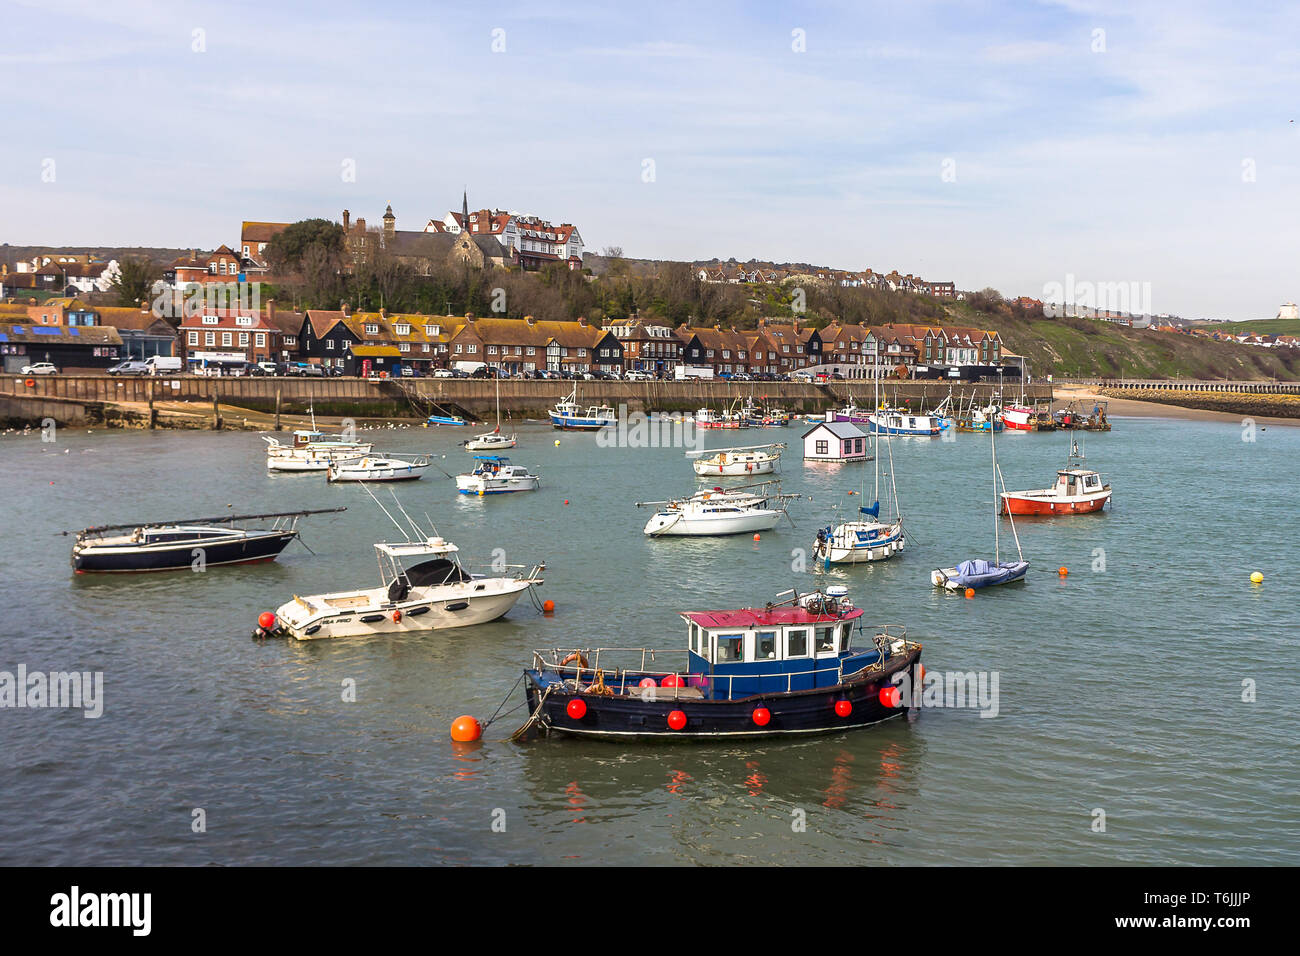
{"points": [[569, 416], [788, 668], [444, 420]]}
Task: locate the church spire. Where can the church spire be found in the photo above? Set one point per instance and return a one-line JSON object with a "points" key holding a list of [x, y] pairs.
{"points": [[464, 210]]}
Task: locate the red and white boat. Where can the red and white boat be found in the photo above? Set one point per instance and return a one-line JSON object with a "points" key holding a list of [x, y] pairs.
{"points": [[1019, 418], [1078, 490]]}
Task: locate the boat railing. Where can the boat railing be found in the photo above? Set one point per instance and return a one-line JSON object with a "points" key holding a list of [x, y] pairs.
{"points": [[521, 571]]}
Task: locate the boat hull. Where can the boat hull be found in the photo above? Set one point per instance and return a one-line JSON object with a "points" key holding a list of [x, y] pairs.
{"points": [[1039, 503], [953, 580], [711, 469], [433, 609], [181, 556], [566, 423], [664, 525], [847, 545], [495, 486], [633, 717]]}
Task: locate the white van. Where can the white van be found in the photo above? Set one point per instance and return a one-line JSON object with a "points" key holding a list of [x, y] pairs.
{"points": [[163, 364]]}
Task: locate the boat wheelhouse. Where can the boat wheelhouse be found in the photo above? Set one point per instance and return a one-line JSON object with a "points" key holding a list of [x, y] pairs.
{"points": [[569, 416], [786, 669], [494, 475], [188, 544]]}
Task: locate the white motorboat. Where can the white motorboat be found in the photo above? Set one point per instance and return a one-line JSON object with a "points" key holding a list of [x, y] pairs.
{"points": [[716, 512], [494, 475], [433, 593], [490, 442], [377, 468], [314, 460], [749, 460]]}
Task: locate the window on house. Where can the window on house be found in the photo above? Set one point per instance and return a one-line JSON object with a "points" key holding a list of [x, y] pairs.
{"points": [[226, 338], [243, 339], [209, 338], [261, 339], [194, 338], [823, 448], [329, 344], [372, 329]]}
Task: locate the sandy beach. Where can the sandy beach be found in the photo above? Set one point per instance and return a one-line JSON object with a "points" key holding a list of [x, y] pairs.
{"points": [[1128, 408]]}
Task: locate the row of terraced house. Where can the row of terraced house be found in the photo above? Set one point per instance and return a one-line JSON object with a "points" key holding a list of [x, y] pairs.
{"points": [[892, 281]]}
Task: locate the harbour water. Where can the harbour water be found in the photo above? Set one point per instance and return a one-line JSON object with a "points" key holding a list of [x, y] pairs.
{"points": [[1120, 685]]}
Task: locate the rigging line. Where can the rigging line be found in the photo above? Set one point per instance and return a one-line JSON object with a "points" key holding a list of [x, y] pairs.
{"points": [[503, 702]]}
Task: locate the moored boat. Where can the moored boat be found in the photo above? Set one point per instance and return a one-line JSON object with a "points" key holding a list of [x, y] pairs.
{"points": [[569, 416], [789, 668], [747, 460], [896, 421], [716, 512], [494, 475], [1078, 490], [434, 593], [378, 468], [186, 545]]}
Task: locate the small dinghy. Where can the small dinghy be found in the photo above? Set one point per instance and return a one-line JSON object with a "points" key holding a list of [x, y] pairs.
{"points": [[978, 573], [378, 468], [444, 420], [494, 475], [787, 669]]}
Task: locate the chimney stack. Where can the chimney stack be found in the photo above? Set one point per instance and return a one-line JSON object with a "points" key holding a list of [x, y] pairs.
{"points": [[346, 309], [530, 320], [383, 313], [347, 220], [270, 311]]}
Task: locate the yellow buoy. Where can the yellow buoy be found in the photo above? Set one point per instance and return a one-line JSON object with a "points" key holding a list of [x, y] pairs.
{"points": [[1257, 578], [557, 443]]}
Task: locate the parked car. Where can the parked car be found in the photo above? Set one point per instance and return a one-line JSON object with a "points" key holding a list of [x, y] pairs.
{"points": [[40, 368], [443, 373], [164, 364], [129, 367]]}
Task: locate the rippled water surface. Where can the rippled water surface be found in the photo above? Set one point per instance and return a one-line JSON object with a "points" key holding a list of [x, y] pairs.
{"points": [[1120, 689]]}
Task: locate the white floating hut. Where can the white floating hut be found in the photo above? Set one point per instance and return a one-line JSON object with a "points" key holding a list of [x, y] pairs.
{"points": [[836, 441]]}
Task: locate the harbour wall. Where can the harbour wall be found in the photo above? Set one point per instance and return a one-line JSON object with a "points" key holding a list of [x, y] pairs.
{"points": [[97, 395]]}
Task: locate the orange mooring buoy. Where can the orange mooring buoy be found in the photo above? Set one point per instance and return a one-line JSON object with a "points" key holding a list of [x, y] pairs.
{"points": [[465, 729], [970, 592]]}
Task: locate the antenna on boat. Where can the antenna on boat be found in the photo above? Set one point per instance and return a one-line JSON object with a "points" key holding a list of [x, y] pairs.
{"points": [[395, 522], [418, 532]]}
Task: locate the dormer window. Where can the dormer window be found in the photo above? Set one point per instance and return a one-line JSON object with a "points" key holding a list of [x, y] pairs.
{"points": [[402, 329], [372, 328]]}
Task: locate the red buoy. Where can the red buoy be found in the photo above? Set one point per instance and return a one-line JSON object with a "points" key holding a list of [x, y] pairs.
{"points": [[266, 620], [677, 720], [843, 708], [465, 729], [646, 682], [548, 605], [970, 592], [577, 708], [762, 716], [672, 680], [890, 696]]}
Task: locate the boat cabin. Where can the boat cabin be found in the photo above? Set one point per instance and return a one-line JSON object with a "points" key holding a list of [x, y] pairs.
{"points": [[1077, 481], [774, 650]]}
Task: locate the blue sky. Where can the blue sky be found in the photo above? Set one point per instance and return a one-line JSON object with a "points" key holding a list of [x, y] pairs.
{"points": [[1168, 157]]}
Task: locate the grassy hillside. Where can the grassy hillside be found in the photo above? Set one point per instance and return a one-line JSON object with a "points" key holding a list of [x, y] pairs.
{"points": [[1255, 327], [1088, 348]]}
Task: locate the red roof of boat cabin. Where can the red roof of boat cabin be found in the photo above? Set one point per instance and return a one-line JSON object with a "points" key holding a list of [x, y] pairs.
{"points": [[758, 617]]}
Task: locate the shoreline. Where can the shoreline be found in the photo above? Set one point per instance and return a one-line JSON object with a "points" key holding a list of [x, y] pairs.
{"points": [[1134, 408]]}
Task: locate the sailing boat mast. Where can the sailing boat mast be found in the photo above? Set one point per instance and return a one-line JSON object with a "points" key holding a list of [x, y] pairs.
{"points": [[993, 447]]}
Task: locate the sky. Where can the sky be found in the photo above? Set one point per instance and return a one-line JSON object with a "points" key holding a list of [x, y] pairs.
{"points": [[1025, 146]]}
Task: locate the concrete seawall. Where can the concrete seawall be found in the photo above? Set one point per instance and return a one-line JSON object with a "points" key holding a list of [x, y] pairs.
{"points": [[474, 397]]}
